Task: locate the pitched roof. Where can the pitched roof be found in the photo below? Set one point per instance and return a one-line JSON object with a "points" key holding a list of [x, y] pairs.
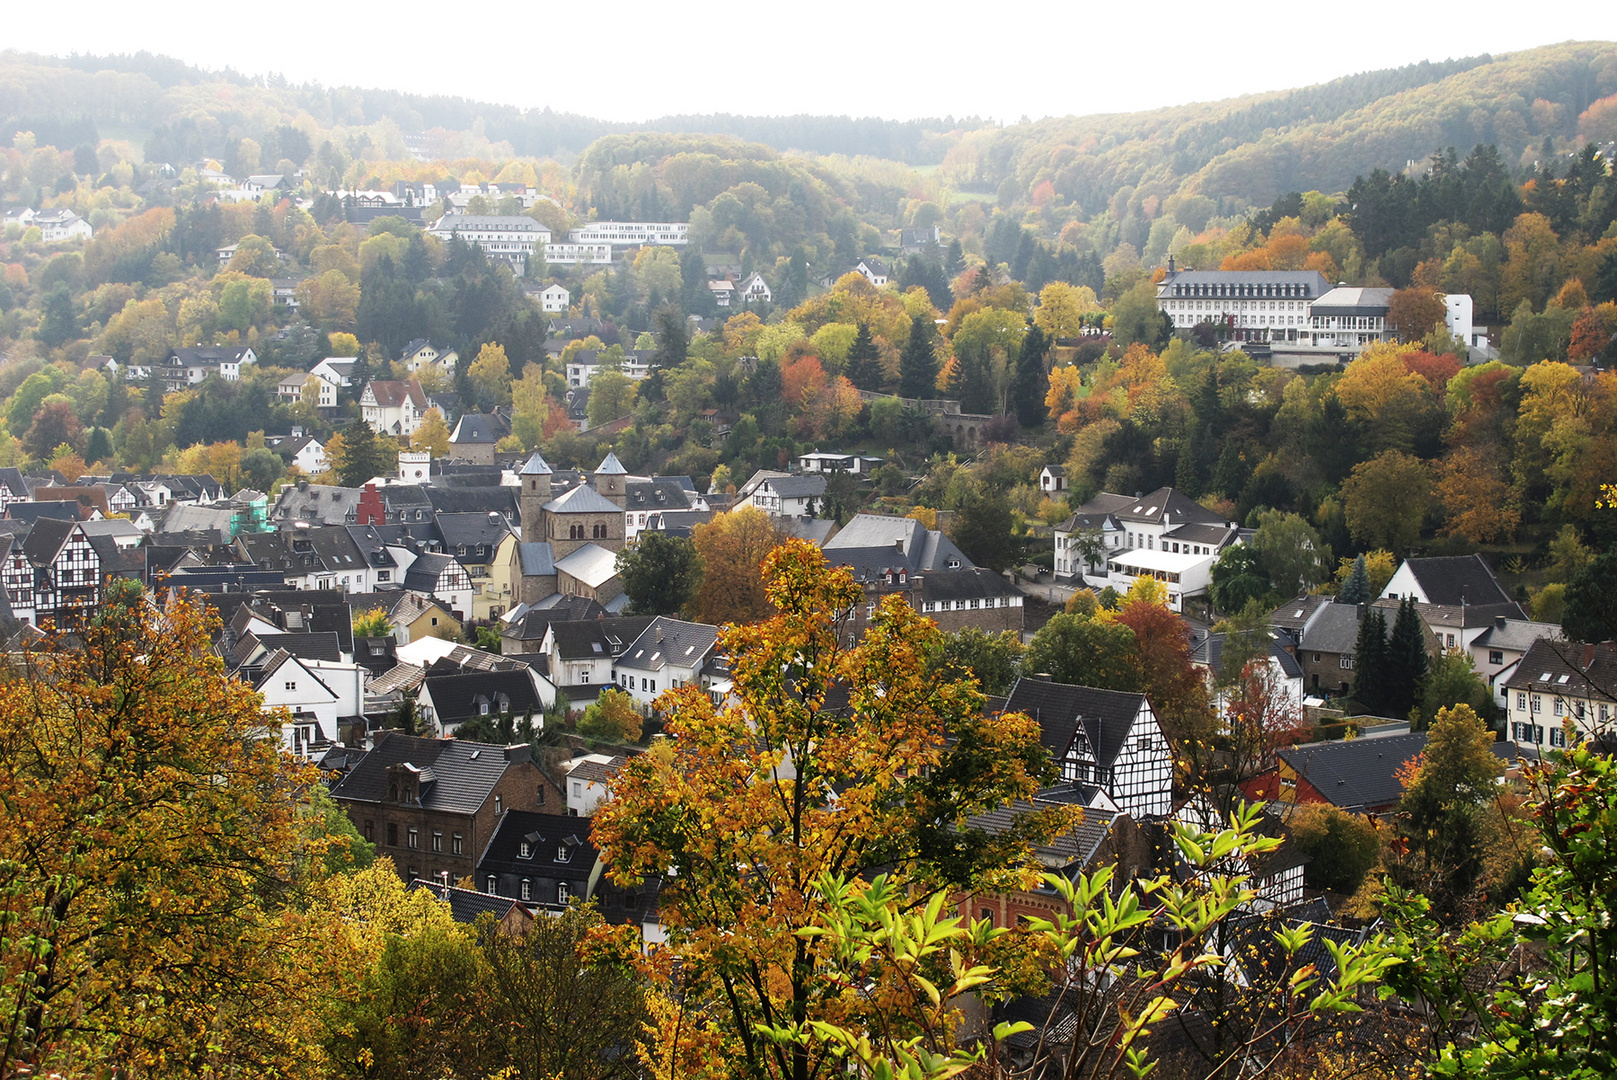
{"points": [[477, 429], [1334, 628], [465, 905], [392, 393], [473, 530], [463, 773], [973, 584], [592, 639], [536, 559], [46, 539], [591, 564], [1457, 579], [656, 494], [1061, 711], [424, 572], [1356, 774], [797, 485], [321, 645], [583, 499], [1516, 634], [459, 696], [536, 466], [1567, 669], [670, 641]]}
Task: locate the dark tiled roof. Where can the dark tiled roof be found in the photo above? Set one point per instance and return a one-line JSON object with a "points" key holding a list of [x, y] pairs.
{"points": [[976, 583], [47, 538], [1458, 579], [477, 429], [423, 573], [463, 773], [459, 697], [532, 624], [482, 499], [668, 641], [1570, 669], [465, 905], [545, 835], [305, 646], [1059, 709], [1356, 774], [657, 494], [473, 530], [1334, 628], [588, 639]]}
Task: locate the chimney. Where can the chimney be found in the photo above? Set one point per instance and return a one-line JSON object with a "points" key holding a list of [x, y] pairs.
{"points": [[1364, 609], [898, 544], [1499, 622]]}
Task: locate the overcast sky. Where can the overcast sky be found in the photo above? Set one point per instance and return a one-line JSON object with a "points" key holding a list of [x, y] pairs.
{"points": [[634, 60]]}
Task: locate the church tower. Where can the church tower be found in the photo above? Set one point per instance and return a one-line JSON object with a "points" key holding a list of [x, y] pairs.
{"points": [[535, 493], [611, 480]]}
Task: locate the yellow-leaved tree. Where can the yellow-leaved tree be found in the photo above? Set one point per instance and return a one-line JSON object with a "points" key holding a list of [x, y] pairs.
{"points": [[829, 760]]}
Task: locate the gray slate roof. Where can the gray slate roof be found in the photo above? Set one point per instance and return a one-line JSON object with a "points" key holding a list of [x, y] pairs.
{"points": [[1458, 579], [1105, 716], [464, 773], [668, 641]]}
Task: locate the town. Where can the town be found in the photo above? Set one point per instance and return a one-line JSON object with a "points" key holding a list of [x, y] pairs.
{"points": [[674, 610]]}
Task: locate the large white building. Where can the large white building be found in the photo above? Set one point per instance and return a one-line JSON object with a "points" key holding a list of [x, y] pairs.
{"points": [[1297, 313], [630, 233], [511, 237], [1114, 539], [569, 253]]}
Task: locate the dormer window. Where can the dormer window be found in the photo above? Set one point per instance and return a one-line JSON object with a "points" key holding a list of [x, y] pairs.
{"points": [[525, 850], [564, 853]]}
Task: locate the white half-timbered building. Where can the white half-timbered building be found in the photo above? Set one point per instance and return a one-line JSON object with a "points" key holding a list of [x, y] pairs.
{"points": [[66, 574], [1105, 738]]}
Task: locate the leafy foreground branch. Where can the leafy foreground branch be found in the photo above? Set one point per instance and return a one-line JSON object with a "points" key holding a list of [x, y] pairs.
{"points": [[1123, 961]]}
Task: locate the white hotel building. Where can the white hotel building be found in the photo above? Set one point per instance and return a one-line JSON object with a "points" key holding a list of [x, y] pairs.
{"points": [[1296, 313], [511, 237]]}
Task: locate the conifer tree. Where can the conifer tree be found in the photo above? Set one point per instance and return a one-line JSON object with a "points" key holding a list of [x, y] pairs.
{"points": [[864, 361], [1370, 662], [1031, 379], [1406, 660], [918, 366], [1356, 589]]}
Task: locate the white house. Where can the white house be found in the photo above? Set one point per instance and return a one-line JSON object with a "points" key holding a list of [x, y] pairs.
{"points": [[554, 298], [785, 495], [667, 654], [856, 464], [1102, 738], [755, 290], [1559, 685], [875, 271], [58, 225], [393, 407], [587, 779], [317, 693], [1164, 535], [336, 370]]}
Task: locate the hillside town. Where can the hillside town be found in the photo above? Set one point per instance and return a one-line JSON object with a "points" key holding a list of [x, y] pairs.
{"points": [[688, 606]]}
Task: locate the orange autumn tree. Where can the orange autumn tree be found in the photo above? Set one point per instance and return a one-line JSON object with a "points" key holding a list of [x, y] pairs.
{"points": [[156, 850], [829, 759]]}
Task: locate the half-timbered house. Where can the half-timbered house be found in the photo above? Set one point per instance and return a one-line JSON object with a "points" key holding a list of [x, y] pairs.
{"points": [[66, 572], [1105, 738]]}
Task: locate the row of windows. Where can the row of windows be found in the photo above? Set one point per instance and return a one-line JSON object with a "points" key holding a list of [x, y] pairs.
{"points": [[525, 889], [1534, 733], [597, 532], [413, 838], [1535, 703], [962, 605]]}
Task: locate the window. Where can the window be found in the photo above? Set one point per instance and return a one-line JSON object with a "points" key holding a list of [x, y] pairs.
{"points": [[564, 853], [1346, 663], [562, 892], [1521, 702], [482, 708], [1538, 735], [392, 835], [1450, 641], [527, 889], [1496, 656], [498, 804], [370, 832], [291, 685], [437, 840], [454, 843], [491, 885], [1538, 703], [414, 840], [1560, 707], [1558, 738], [525, 850]]}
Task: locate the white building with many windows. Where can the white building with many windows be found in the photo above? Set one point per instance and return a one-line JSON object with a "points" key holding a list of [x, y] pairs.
{"points": [[1562, 686], [630, 233], [1255, 305], [511, 237]]}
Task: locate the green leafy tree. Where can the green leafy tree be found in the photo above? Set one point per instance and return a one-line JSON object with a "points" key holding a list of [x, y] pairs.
{"points": [[1086, 651], [1238, 578], [1452, 679], [1386, 498], [372, 624], [612, 717], [661, 573], [992, 659], [1442, 817], [1290, 553], [1590, 613], [1342, 848], [982, 529]]}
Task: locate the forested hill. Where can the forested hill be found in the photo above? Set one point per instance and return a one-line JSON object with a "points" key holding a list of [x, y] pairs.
{"points": [[1248, 149]]}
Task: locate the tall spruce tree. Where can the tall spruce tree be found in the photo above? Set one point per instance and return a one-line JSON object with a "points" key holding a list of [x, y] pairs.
{"points": [[918, 366], [1370, 662], [1406, 660], [864, 361], [1356, 589], [1031, 378]]}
